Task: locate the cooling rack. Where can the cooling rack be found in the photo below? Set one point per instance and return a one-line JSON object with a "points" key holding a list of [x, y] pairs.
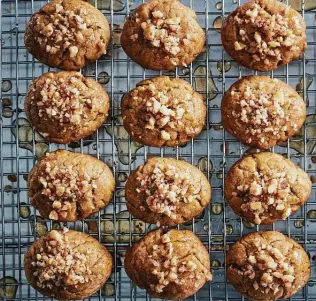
{"points": [[214, 151]]}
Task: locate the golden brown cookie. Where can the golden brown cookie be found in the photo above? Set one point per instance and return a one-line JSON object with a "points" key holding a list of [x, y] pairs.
{"points": [[65, 106], [162, 34], [264, 34], [67, 34], [262, 112], [68, 186], [265, 187], [67, 264], [267, 266], [174, 265], [163, 111], [167, 192]]}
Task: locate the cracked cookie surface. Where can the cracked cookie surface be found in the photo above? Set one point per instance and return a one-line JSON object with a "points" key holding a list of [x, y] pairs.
{"points": [[162, 34], [167, 192], [267, 266], [172, 265], [65, 107], [264, 34], [67, 34], [163, 111], [265, 187], [67, 264], [262, 112], [68, 186]]}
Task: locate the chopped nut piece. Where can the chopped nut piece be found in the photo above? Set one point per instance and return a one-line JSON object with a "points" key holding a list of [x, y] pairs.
{"points": [[165, 135], [73, 50], [239, 45]]}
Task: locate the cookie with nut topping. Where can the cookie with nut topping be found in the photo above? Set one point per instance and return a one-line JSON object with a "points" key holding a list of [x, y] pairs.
{"points": [[67, 34], [67, 264], [172, 265], [66, 186], [265, 187], [65, 107], [162, 34], [264, 34], [267, 266], [163, 111], [167, 192], [262, 112]]}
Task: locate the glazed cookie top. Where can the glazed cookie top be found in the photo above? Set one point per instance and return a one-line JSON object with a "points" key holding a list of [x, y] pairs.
{"points": [[67, 264], [262, 112], [173, 265], [267, 266], [167, 192], [264, 34], [66, 106], [162, 35], [163, 111], [265, 187], [67, 186], [67, 34]]}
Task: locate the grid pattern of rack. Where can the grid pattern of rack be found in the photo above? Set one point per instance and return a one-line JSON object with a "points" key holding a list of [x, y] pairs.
{"points": [[214, 151]]}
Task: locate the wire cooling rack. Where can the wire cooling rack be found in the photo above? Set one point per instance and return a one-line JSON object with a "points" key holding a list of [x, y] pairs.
{"points": [[214, 151]]}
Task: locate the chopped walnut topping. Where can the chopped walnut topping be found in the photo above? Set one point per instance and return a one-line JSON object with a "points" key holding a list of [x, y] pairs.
{"points": [[167, 267], [65, 30], [264, 112], [165, 112], [162, 32], [268, 35], [61, 184], [268, 265], [166, 188], [267, 193], [64, 101], [58, 264]]}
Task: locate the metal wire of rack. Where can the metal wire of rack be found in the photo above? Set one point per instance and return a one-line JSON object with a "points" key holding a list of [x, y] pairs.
{"points": [[214, 151]]}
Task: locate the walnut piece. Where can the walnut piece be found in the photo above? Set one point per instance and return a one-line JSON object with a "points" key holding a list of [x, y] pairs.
{"points": [[58, 264], [166, 188]]}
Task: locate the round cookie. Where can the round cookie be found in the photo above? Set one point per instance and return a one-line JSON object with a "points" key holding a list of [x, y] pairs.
{"points": [[67, 264], [163, 111], [162, 34], [264, 34], [174, 265], [67, 34], [265, 187], [267, 266], [65, 107], [167, 192], [68, 186], [262, 112]]}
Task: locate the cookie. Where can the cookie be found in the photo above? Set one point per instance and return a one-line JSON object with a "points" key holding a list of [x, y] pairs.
{"points": [[68, 186], [67, 34], [267, 266], [162, 34], [167, 192], [174, 265], [65, 107], [264, 34], [262, 112], [163, 111], [67, 264], [265, 187]]}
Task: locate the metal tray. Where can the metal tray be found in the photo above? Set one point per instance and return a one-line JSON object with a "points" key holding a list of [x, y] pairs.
{"points": [[214, 151]]}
